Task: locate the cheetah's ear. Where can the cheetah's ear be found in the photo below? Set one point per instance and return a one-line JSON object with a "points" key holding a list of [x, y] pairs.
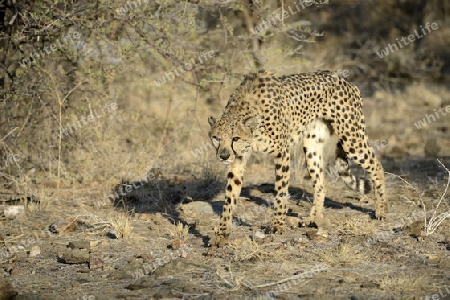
{"points": [[251, 123], [211, 121]]}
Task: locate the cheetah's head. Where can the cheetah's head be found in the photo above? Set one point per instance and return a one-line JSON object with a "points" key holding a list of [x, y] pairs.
{"points": [[231, 138]]}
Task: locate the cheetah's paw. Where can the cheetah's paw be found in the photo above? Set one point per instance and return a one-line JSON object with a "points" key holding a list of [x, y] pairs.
{"points": [[219, 240], [277, 228], [380, 212]]}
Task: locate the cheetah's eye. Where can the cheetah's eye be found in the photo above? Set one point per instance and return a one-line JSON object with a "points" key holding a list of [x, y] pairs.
{"points": [[215, 140], [236, 138]]}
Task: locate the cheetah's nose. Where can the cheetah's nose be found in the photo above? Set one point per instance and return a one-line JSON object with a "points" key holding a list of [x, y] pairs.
{"points": [[224, 155]]}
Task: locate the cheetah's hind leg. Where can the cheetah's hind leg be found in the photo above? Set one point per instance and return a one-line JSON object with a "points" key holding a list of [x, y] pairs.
{"points": [[342, 168], [314, 139]]}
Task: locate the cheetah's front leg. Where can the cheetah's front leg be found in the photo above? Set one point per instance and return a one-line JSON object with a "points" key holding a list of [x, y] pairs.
{"points": [[282, 175], [235, 177]]}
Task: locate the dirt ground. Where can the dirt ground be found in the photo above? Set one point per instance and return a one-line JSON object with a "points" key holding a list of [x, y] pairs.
{"points": [[84, 249]]}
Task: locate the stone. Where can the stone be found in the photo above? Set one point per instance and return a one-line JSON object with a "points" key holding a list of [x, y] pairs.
{"points": [[13, 211], [35, 251]]}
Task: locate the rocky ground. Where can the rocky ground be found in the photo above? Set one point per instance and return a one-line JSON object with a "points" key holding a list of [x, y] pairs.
{"points": [[153, 244]]}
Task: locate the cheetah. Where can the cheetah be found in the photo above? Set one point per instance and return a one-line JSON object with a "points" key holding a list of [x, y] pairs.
{"points": [[268, 114]]}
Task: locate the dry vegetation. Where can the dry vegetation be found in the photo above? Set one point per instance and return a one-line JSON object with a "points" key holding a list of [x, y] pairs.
{"points": [[113, 175]]}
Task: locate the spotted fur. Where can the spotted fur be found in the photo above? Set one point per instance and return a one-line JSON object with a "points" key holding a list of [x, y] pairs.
{"points": [[267, 114]]}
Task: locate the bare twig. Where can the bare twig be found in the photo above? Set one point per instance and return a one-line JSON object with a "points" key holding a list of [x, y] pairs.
{"points": [[436, 219], [14, 129], [61, 101]]}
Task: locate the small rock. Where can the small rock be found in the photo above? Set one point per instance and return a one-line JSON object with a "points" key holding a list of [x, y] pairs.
{"points": [[75, 256], [35, 251], [99, 244], [261, 238], [95, 263], [80, 245], [259, 235], [183, 254], [322, 232], [112, 234], [13, 211], [120, 274], [178, 243], [369, 285], [315, 235], [305, 222], [433, 257], [135, 260], [197, 208], [64, 226], [293, 222], [146, 258], [300, 240], [93, 245]]}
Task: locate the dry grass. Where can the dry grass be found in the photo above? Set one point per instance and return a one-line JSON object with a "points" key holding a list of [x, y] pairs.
{"points": [[344, 255], [121, 223], [358, 226], [437, 218], [249, 250], [402, 283], [179, 230], [41, 204], [440, 213]]}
